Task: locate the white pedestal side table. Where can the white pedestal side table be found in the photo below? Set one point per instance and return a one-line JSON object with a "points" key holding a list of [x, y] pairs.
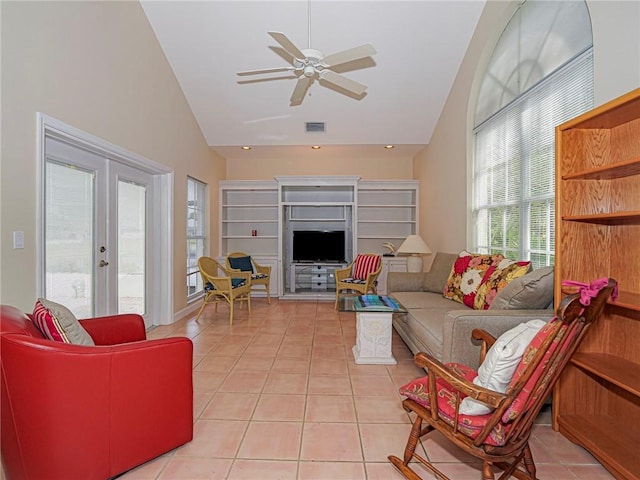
{"points": [[374, 315]]}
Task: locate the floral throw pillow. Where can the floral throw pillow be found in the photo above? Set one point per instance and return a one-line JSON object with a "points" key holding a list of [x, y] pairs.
{"points": [[467, 274], [498, 278]]}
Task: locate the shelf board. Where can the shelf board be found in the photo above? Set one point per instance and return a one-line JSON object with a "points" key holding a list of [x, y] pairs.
{"points": [[251, 205], [628, 300], [256, 237], [616, 370], [621, 110], [617, 218], [317, 219], [381, 237], [387, 221], [318, 204], [607, 172], [386, 205], [250, 221], [612, 441]]}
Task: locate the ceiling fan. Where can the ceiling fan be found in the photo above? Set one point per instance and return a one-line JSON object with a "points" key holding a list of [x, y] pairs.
{"points": [[309, 65]]}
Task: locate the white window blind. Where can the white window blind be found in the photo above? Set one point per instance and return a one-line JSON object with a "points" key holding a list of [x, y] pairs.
{"points": [[196, 232], [514, 165]]}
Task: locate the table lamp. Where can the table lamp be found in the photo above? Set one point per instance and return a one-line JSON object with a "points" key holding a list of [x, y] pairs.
{"points": [[415, 247]]}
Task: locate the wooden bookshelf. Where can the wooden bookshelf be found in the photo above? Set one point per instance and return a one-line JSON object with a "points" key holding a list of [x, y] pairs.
{"points": [[597, 400]]}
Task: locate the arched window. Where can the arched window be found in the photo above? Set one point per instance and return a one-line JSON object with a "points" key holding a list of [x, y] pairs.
{"points": [[539, 75]]}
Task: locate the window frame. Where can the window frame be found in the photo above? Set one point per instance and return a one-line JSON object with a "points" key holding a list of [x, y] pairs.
{"points": [[197, 201], [521, 198]]}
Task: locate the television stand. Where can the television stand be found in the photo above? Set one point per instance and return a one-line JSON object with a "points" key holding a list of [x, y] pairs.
{"points": [[313, 276]]}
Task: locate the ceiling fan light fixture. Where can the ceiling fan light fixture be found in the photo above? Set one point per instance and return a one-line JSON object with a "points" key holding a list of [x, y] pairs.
{"points": [[310, 64], [389, 147], [245, 147], [316, 147]]}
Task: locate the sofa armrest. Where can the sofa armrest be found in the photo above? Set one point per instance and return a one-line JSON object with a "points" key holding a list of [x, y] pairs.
{"points": [[115, 329], [151, 399], [405, 282], [458, 345]]}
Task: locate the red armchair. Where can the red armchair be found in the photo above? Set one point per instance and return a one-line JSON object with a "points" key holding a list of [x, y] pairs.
{"points": [[79, 412]]}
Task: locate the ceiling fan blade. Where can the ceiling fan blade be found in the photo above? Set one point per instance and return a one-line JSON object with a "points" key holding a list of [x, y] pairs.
{"points": [[287, 44], [355, 53], [302, 85], [266, 70], [343, 82]]}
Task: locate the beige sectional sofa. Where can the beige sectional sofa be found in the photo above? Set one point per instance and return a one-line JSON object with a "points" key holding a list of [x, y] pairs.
{"points": [[442, 327]]}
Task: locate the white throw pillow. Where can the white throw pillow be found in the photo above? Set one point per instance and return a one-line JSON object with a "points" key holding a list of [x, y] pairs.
{"points": [[501, 362]]}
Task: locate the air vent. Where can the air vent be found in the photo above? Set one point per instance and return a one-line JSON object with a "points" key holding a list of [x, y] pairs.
{"points": [[314, 127]]}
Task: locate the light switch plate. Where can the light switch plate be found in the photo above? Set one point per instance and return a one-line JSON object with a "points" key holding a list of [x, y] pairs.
{"points": [[18, 240]]}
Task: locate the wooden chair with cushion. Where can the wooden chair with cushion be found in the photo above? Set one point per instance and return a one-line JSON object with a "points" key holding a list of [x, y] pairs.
{"points": [[361, 276], [222, 284], [260, 274], [485, 422]]}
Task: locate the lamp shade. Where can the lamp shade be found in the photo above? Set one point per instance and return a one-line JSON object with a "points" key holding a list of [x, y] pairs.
{"points": [[414, 244]]}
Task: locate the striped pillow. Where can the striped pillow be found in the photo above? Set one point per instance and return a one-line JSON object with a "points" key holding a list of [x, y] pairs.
{"points": [[364, 265], [57, 323]]}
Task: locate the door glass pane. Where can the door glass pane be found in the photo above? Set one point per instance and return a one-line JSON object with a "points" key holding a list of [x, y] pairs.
{"points": [[131, 248], [69, 253]]}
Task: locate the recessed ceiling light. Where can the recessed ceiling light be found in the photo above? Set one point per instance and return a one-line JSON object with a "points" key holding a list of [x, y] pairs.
{"points": [[316, 147], [245, 148], [389, 147]]}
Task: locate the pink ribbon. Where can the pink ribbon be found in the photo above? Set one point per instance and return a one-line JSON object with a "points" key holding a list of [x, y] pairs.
{"points": [[589, 291]]}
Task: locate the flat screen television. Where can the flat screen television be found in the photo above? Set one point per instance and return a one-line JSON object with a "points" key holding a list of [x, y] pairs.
{"points": [[318, 246]]}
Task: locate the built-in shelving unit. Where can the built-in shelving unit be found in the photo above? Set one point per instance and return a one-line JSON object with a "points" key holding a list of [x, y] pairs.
{"points": [[387, 212], [597, 400], [249, 217], [369, 212], [249, 223]]}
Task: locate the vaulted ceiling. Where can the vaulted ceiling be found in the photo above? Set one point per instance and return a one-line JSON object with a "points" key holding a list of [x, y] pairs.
{"points": [[419, 47]]}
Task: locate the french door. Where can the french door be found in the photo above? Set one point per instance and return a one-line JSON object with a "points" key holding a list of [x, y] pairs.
{"points": [[97, 232]]}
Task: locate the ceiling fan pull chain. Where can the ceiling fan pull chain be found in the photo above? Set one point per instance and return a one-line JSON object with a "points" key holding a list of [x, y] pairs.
{"points": [[309, 24]]}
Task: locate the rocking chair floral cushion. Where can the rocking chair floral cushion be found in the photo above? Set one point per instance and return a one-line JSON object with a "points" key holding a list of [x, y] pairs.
{"points": [[470, 425]]}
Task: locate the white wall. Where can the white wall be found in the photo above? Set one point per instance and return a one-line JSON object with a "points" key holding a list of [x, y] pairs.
{"points": [[98, 67]]}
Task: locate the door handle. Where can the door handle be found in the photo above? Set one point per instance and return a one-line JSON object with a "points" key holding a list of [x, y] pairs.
{"points": [[103, 263]]}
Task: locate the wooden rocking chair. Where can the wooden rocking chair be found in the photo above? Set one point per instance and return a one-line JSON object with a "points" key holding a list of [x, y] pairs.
{"points": [[499, 438]]}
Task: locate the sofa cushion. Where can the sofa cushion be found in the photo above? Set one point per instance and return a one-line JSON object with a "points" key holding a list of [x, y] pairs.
{"points": [[56, 322], [531, 291], [436, 277], [497, 370], [467, 274], [426, 324], [506, 271], [411, 300]]}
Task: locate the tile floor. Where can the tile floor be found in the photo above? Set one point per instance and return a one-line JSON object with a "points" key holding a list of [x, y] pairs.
{"points": [[278, 396]]}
